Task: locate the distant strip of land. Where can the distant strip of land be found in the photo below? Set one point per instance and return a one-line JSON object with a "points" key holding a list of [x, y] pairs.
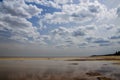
{"points": [[92, 58], [98, 58], [107, 57]]}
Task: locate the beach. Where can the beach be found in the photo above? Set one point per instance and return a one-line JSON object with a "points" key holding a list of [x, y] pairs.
{"points": [[67, 68]]}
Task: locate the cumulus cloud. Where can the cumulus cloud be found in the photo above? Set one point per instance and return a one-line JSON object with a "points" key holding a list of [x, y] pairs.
{"points": [[90, 27], [84, 23], [69, 31], [79, 32], [89, 39], [61, 31], [82, 45], [48, 3], [68, 36], [94, 41], [19, 28], [101, 41], [118, 42], [13, 18], [81, 13], [19, 8], [106, 44], [115, 37], [97, 35], [118, 11]]}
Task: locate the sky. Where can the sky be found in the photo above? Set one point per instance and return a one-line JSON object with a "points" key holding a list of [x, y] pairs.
{"points": [[59, 27]]}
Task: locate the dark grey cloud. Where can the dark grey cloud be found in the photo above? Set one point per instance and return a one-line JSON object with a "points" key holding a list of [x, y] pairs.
{"points": [[105, 44], [99, 41], [118, 42], [89, 39], [115, 37], [118, 30], [82, 45], [69, 41], [79, 32], [94, 8], [90, 28], [118, 11]]}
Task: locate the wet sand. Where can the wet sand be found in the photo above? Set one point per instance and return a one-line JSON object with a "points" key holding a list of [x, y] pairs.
{"points": [[59, 69]]}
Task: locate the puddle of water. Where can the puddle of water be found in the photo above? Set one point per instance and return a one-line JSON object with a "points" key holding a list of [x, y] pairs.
{"points": [[60, 70]]}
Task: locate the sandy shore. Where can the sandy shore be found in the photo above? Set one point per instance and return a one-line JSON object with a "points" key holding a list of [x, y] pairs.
{"points": [[105, 58]]}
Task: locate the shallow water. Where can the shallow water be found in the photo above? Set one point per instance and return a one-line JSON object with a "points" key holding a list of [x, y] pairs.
{"points": [[57, 70]]}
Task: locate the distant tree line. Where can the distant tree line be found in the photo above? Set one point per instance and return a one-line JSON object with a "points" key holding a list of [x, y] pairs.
{"points": [[117, 53]]}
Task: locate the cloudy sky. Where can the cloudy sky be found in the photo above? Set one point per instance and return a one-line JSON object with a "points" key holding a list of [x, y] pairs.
{"points": [[59, 27]]}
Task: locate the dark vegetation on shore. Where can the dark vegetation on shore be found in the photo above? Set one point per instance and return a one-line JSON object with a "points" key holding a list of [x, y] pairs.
{"points": [[117, 53]]}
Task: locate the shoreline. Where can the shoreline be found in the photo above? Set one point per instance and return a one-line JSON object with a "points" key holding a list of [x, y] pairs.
{"points": [[95, 58]]}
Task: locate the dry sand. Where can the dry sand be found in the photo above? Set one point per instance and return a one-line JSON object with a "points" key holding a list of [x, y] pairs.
{"points": [[104, 58]]}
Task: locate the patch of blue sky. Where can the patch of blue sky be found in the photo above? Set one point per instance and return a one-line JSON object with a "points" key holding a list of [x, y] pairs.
{"points": [[1, 0], [79, 1], [76, 1], [34, 21], [46, 9]]}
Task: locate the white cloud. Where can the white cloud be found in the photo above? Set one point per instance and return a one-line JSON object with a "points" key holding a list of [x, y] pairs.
{"points": [[68, 37], [19, 8], [88, 19], [19, 27], [13, 18], [63, 1], [82, 13], [86, 24]]}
